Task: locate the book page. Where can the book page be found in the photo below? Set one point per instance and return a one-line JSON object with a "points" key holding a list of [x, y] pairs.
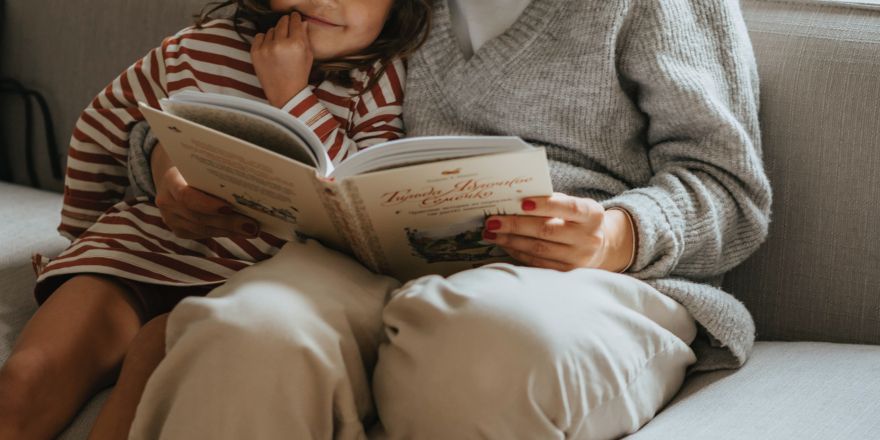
{"points": [[429, 218], [409, 151], [259, 111], [254, 129], [278, 192]]}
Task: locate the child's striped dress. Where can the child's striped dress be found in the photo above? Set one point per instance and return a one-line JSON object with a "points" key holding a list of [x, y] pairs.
{"points": [[128, 238]]}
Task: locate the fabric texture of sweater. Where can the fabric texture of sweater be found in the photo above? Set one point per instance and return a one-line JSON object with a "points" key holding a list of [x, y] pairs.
{"points": [[651, 106]]}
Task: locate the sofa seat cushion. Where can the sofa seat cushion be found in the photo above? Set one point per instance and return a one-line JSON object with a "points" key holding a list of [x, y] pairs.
{"points": [[28, 218], [787, 390]]}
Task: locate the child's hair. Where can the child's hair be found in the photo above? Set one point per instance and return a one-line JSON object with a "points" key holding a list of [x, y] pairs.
{"points": [[405, 30]]}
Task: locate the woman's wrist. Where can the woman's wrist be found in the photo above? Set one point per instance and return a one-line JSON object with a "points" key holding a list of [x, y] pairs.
{"points": [[620, 240]]}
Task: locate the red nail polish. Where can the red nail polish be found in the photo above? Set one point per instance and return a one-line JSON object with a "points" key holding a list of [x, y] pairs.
{"points": [[493, 225], [489, 235], [226, 210], [529, 205]]}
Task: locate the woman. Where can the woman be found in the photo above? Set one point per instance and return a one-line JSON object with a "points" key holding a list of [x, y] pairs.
{"points": [[649, 108]]}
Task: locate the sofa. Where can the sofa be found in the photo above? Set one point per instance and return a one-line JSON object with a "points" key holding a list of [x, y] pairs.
{"points": [[813, 287]]}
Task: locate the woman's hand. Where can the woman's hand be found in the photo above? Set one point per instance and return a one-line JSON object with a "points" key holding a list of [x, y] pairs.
{"points": [[283, 59], [563, 232], [190, 213]]}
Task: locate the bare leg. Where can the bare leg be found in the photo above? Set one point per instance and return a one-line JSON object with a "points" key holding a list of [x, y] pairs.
{"points": [[145, 353], [70, 349]]}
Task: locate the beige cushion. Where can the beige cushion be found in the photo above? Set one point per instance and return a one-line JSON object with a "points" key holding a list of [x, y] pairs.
{"points": [[786, 391], [818, 276]]}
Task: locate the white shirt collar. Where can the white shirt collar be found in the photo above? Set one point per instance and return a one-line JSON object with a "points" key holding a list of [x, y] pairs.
{"points": [[477, 21]]}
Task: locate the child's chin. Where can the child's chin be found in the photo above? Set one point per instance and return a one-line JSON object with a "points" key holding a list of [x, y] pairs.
{"points": [[323, 55]]}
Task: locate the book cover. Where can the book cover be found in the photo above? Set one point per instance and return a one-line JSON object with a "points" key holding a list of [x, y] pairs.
{"points": [[405, 213]]}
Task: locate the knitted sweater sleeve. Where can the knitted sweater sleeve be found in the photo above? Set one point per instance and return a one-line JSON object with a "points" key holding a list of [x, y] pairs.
{"points": [[689, 67]]}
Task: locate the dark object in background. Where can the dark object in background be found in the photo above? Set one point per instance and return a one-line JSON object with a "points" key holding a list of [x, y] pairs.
{"points": [[5, 170], [29, 98]]}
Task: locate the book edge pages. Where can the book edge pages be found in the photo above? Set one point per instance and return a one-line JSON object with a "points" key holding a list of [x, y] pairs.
{"points": [[364, 239], [260, 109], [328, 193]]}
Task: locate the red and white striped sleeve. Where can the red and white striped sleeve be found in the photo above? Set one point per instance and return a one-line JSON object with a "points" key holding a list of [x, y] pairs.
{"points": [[96, 176], [376, 116]]}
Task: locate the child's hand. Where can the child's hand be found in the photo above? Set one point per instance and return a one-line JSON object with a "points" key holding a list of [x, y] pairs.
{"points": [[190, 213], [283, 59], [563, 232]]}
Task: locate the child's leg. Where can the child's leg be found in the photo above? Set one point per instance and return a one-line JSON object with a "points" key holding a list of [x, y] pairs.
{"points": [[145, 353], [71, 348]]}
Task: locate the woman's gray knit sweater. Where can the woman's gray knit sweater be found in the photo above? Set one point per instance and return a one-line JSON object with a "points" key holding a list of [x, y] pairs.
{"points": [[649, 105]]}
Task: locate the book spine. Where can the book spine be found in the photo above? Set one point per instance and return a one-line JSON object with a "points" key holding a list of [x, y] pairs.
{"points": [[367, 239], [345, 220]]}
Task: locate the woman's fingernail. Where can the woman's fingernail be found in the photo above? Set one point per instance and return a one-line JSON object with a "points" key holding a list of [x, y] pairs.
{"points": [[249, 228], [489, 235], [528, 205], [226, 210], [493, 225]]}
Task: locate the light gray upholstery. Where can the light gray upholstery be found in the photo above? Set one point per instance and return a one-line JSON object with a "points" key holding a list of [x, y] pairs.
{"points": [[70, 50], [28, 218], [79, 48], [786, 391], [818, 276]]}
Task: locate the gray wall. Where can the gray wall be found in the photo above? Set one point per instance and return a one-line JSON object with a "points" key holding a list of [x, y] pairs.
{"points": [[69, 51]]}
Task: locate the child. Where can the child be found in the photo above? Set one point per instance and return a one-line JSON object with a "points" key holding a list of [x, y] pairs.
{"points": [[335, 64]]}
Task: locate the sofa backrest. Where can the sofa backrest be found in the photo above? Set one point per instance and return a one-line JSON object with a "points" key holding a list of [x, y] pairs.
{"points": [[69, 51], [818, 275]]}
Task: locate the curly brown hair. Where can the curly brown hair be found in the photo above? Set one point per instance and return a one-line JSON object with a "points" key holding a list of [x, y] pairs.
{"points": [[406, 29]]}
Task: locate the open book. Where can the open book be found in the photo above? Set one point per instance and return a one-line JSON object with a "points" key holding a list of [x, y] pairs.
{"points": [[405, 208]]}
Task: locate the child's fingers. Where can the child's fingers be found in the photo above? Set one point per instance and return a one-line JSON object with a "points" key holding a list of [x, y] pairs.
{"points": [[296, 21], [258, 42], [297, 25], [270, 35], [282, 28], [198, 201]]}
